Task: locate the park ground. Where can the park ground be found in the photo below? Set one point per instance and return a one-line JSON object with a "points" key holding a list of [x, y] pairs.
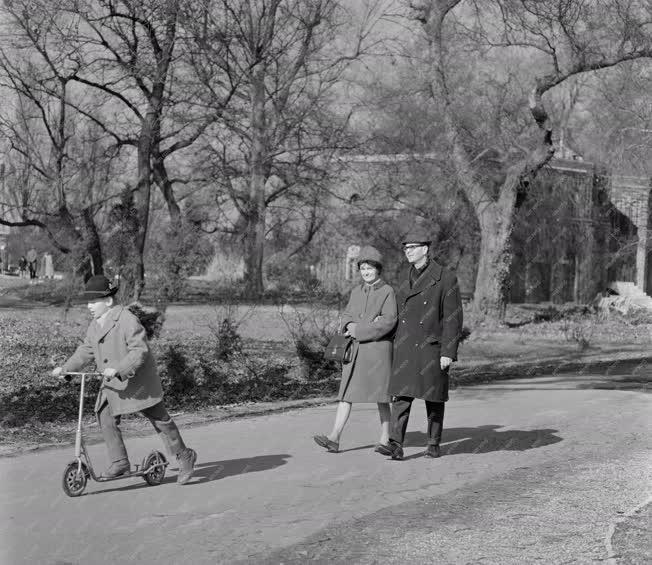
{"points": [[551, 468]]}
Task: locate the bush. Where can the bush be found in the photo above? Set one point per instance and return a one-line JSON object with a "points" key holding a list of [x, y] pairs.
{"points": [[578, 331], [639, 317], [292, 276], [311, 332], [151, 318], [193, 372], [551, 313], [176, 252], [229, 342]]}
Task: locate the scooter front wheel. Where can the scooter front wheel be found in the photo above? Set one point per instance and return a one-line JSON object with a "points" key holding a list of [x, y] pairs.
{"points": [[157, 474], [74, 480]]}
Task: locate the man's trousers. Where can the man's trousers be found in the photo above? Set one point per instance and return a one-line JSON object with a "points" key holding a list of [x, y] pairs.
{"points": [[401, 414]]}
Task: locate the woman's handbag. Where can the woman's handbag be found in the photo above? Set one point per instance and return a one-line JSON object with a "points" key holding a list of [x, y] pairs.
{"points": [[339, 348]]}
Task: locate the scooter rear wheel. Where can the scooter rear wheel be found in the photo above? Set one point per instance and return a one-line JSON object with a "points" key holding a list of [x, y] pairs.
{"points": [[157, 474], [74, 481]]}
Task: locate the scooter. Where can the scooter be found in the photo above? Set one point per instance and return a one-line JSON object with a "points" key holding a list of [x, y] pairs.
{"points": [[80, 470]]}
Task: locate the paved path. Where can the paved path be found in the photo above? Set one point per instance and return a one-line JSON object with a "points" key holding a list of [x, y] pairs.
{"points": [[534, 471]]}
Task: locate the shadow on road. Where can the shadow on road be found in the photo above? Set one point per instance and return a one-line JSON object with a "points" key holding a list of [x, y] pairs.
{"points": [[485, 439], [359, 448], [206, 472]]}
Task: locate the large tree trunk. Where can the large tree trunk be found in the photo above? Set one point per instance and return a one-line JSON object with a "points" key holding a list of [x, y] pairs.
{"points": [[82, 242], [256, 209], [492, 281], [254, 251], [162, 179], [132, 281], [92, 245]]}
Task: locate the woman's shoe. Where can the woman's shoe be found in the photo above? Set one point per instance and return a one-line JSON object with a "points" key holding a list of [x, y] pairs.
{"points": [[393, 449], [381, 448], [323, 441]]}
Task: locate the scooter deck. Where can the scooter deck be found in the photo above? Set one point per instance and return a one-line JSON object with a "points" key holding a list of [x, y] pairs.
{"points": [[103, 479], [137, 472]]}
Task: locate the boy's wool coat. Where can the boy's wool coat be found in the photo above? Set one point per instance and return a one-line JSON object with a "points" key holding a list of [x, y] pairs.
{"points": [[120, 343]]}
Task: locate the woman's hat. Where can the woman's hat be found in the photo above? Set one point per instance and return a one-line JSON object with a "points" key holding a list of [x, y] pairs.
{"points": [[98, 287], [369, 254]]}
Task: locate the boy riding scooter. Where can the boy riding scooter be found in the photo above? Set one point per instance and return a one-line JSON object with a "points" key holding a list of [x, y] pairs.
{"points": [[116, 341]]}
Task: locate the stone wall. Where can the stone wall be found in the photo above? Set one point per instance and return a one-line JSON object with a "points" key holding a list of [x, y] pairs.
{"points": [[630, 196]]}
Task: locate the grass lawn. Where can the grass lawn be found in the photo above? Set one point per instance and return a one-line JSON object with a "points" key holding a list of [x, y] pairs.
{"points": [[196, 291], [207, 306], [269, 323]]}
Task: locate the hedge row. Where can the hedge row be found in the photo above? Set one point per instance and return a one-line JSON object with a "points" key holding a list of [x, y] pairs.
{"points": [[194, 373]]}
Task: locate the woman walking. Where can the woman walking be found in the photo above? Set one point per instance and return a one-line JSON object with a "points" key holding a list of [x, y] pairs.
{"points": [[370, 319]]}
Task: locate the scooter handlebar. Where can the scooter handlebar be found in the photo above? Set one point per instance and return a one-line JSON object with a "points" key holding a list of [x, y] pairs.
{"points": [[68, 376]]}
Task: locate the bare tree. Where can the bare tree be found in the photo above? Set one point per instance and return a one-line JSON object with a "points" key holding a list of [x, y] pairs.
{"points": [[279, 135], [123, 65], [54, 182], [562, 39]]}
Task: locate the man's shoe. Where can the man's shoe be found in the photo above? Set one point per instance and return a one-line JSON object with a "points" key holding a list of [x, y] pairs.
{"points": [[323, 441], [432, 452], [117, 469], [393, 449], [186, 459]]}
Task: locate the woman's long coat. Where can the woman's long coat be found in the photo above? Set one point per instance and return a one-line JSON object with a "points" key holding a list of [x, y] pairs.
{"points": [[120, 343], [429, 327], [373, 309]]}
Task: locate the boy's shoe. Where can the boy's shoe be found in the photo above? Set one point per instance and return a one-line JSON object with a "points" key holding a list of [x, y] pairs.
{"points": [[186, 459], [432, 452], [323, 441], [117, 469], [393, 449]]}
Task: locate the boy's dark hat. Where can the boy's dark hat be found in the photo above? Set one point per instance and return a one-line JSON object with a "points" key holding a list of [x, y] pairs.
{"points": [[417, 235], [98, 287]]}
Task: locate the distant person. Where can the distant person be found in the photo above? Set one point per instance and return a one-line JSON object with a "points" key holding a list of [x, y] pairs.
{"points": [[369, 318], [22, 267], [428, 332], [32, 259], [116, 343], [48, 266]]}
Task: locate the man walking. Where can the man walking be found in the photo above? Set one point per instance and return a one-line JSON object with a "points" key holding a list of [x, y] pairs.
{"points": [[32, 259], [427, 336]]}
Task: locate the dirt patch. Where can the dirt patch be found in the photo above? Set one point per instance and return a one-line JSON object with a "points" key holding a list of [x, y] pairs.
{"points": [[631, 540]]}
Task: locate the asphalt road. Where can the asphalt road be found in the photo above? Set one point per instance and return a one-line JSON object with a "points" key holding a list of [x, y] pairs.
{"points": [[552, 470]]}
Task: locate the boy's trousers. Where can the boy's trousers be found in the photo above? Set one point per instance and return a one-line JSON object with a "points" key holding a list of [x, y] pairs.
{"points": [[157, 415]]}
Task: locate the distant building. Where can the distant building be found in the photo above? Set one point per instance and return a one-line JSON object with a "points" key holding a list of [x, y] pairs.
{"points": [[604, 219], [578, 229]]}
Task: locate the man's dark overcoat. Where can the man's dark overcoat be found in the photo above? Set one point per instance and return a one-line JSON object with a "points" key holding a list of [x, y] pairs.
{"points": [[429, 326]]}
